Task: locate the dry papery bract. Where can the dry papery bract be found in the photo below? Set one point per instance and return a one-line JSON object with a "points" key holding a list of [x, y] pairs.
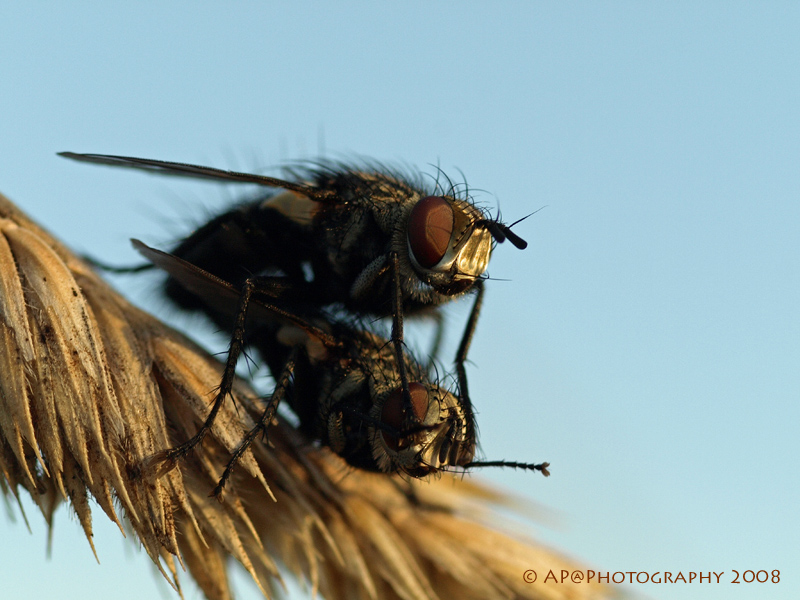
{"points": [[91, 387]]}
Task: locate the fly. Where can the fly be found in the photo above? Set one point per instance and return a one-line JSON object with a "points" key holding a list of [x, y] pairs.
{"points": [[370, 241]]}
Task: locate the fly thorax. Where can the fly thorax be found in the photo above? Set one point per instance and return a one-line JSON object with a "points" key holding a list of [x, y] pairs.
{"points": [[348, 386], [351, 237], [339, 390], [300, 209], [446, 245]]}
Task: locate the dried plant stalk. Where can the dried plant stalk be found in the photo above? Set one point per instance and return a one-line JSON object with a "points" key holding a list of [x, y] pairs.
{"points": [[91, 387]]}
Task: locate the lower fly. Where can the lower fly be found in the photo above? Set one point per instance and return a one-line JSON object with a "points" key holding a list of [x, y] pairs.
{"points": [[344, 385], [342, 382]]}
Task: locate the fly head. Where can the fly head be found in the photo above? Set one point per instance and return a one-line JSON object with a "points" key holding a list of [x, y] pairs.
{"points": [[424, 438], [450, 242]]}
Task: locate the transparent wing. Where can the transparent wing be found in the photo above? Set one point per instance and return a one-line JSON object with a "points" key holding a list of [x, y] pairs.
{"points": [[186, 170]]}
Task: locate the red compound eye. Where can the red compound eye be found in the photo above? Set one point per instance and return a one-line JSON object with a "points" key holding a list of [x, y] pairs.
{"points": [[392, 411], [430, 227]]}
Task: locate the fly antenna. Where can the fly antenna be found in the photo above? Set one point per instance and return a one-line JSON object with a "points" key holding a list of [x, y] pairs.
{"points": [[502, 232]]}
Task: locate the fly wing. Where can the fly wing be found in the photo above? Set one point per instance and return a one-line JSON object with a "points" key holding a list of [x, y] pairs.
{"points": [[217, 293], [221, 296], [195, 171]]}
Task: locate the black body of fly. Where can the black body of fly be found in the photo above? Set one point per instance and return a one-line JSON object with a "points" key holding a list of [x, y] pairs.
{"points": [[368, 241], [342, 382]]}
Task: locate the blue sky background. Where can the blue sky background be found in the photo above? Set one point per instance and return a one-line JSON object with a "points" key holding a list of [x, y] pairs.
{"points": [[647, 342]]}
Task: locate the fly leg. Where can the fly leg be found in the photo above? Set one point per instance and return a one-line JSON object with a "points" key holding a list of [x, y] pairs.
{"points": [[169, 458], [542, 467], [263, 422], [461, 355], [397, 334], [436, 315]]}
